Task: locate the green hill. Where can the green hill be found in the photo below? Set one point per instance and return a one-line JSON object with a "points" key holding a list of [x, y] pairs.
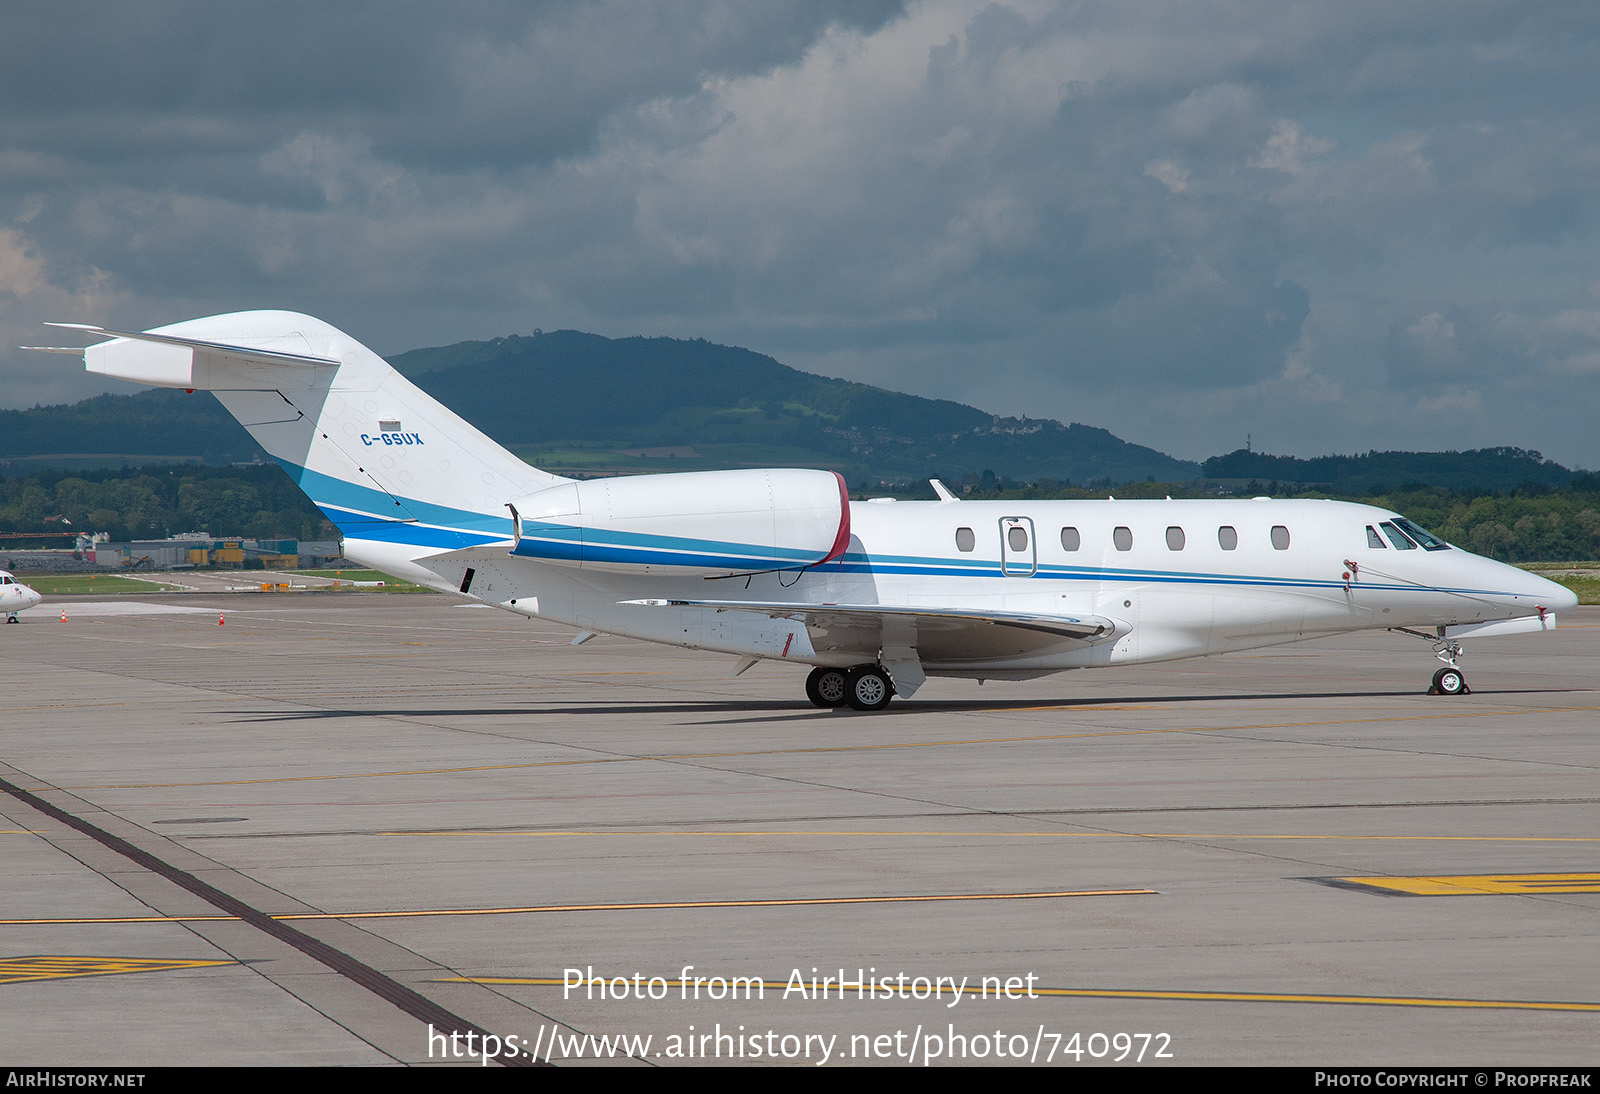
{"points": [[570, 401], [109, 430], [582, 404], [579, 403]]}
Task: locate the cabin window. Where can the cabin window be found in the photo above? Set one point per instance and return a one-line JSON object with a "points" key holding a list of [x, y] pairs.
{"points": [[1374, 540], [965, 540], [1397, 537], [1228, 538], [1122, 538], [1070, 540], [1175, 538], [1280, 538], [1017, 536]]}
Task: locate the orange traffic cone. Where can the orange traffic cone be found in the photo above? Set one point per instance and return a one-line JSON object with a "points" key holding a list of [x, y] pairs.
{"points": [[221, 622], [63, 615]]}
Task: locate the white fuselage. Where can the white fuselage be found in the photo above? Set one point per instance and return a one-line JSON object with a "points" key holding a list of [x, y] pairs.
{"points": [[778, 563], [1168, 573]]}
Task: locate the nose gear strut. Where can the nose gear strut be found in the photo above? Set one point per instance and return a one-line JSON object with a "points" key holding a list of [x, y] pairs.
{"points": [[1449, 680]]}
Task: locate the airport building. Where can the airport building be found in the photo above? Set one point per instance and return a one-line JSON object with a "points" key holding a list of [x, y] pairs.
{"points": [[186, 551]]}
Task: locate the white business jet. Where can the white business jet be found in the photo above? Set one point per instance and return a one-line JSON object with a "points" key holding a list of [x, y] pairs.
{"points": [[780, 564], [15, 597]]}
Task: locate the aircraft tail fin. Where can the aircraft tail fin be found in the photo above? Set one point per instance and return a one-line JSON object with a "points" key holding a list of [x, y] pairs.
{"points": [[401, 475]]}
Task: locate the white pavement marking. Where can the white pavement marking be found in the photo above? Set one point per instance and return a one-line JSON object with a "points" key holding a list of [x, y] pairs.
{"points": [[132, 607]]}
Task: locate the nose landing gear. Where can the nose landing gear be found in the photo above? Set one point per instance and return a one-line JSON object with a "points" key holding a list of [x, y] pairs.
{"points": [[1449, 681]]}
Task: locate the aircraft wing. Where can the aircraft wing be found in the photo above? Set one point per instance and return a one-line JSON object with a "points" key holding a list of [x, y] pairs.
{"points": [[902, 637], [1082, 628]]}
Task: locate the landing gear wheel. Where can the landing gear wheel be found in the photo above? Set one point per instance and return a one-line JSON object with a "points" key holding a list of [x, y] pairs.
{"points": [[869, 688], [827, 687], [1448, 681]]}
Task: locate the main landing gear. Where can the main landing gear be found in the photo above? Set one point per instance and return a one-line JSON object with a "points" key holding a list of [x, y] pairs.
{"points": [[865, 687]]}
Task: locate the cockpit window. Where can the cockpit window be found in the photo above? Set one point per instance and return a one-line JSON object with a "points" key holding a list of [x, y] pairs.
{"points": [[1397, 537], [1429, 541], [1374, 540]]}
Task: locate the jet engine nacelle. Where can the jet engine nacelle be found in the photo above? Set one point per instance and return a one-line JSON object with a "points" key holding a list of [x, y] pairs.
{"points": [[706, 522]]}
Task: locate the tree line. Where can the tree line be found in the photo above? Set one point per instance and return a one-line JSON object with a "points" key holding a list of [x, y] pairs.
{"points": [[1530, 523], [251, 502]]}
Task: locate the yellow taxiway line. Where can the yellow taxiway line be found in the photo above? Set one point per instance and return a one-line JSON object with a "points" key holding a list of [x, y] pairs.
{"points": [[655, 905]]}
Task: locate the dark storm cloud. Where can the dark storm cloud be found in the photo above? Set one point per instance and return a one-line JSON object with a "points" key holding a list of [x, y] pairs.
{"points": [[476, 81], [1334, 227]]}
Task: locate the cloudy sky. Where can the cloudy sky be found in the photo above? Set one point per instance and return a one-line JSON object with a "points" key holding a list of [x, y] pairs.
{"points": [[1332, 227]]}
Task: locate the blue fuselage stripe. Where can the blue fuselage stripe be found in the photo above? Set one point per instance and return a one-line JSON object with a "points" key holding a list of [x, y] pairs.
{"points": [[357, 509]]}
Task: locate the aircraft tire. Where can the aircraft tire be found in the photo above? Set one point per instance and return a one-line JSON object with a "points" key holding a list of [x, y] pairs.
{"points": [[1448, 681], [869, 688], [827, 687]]}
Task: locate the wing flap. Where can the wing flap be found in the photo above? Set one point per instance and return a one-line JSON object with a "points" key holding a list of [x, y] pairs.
{"points": [[1089, 629]]}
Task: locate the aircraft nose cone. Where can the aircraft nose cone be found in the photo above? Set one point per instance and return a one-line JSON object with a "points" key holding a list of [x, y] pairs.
{"points": [[1558, 598], [1547, 594], [1522, 591]]}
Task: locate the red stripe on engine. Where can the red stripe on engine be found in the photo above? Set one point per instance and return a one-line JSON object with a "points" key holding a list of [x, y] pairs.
{"points": [[842, 540]]}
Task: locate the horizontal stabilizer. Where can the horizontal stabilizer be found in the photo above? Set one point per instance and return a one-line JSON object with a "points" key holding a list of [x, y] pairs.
{"points": [[264, 356]]}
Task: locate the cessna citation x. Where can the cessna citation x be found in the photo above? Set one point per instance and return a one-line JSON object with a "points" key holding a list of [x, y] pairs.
{"points": [[780, 564], [15, 597]]}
